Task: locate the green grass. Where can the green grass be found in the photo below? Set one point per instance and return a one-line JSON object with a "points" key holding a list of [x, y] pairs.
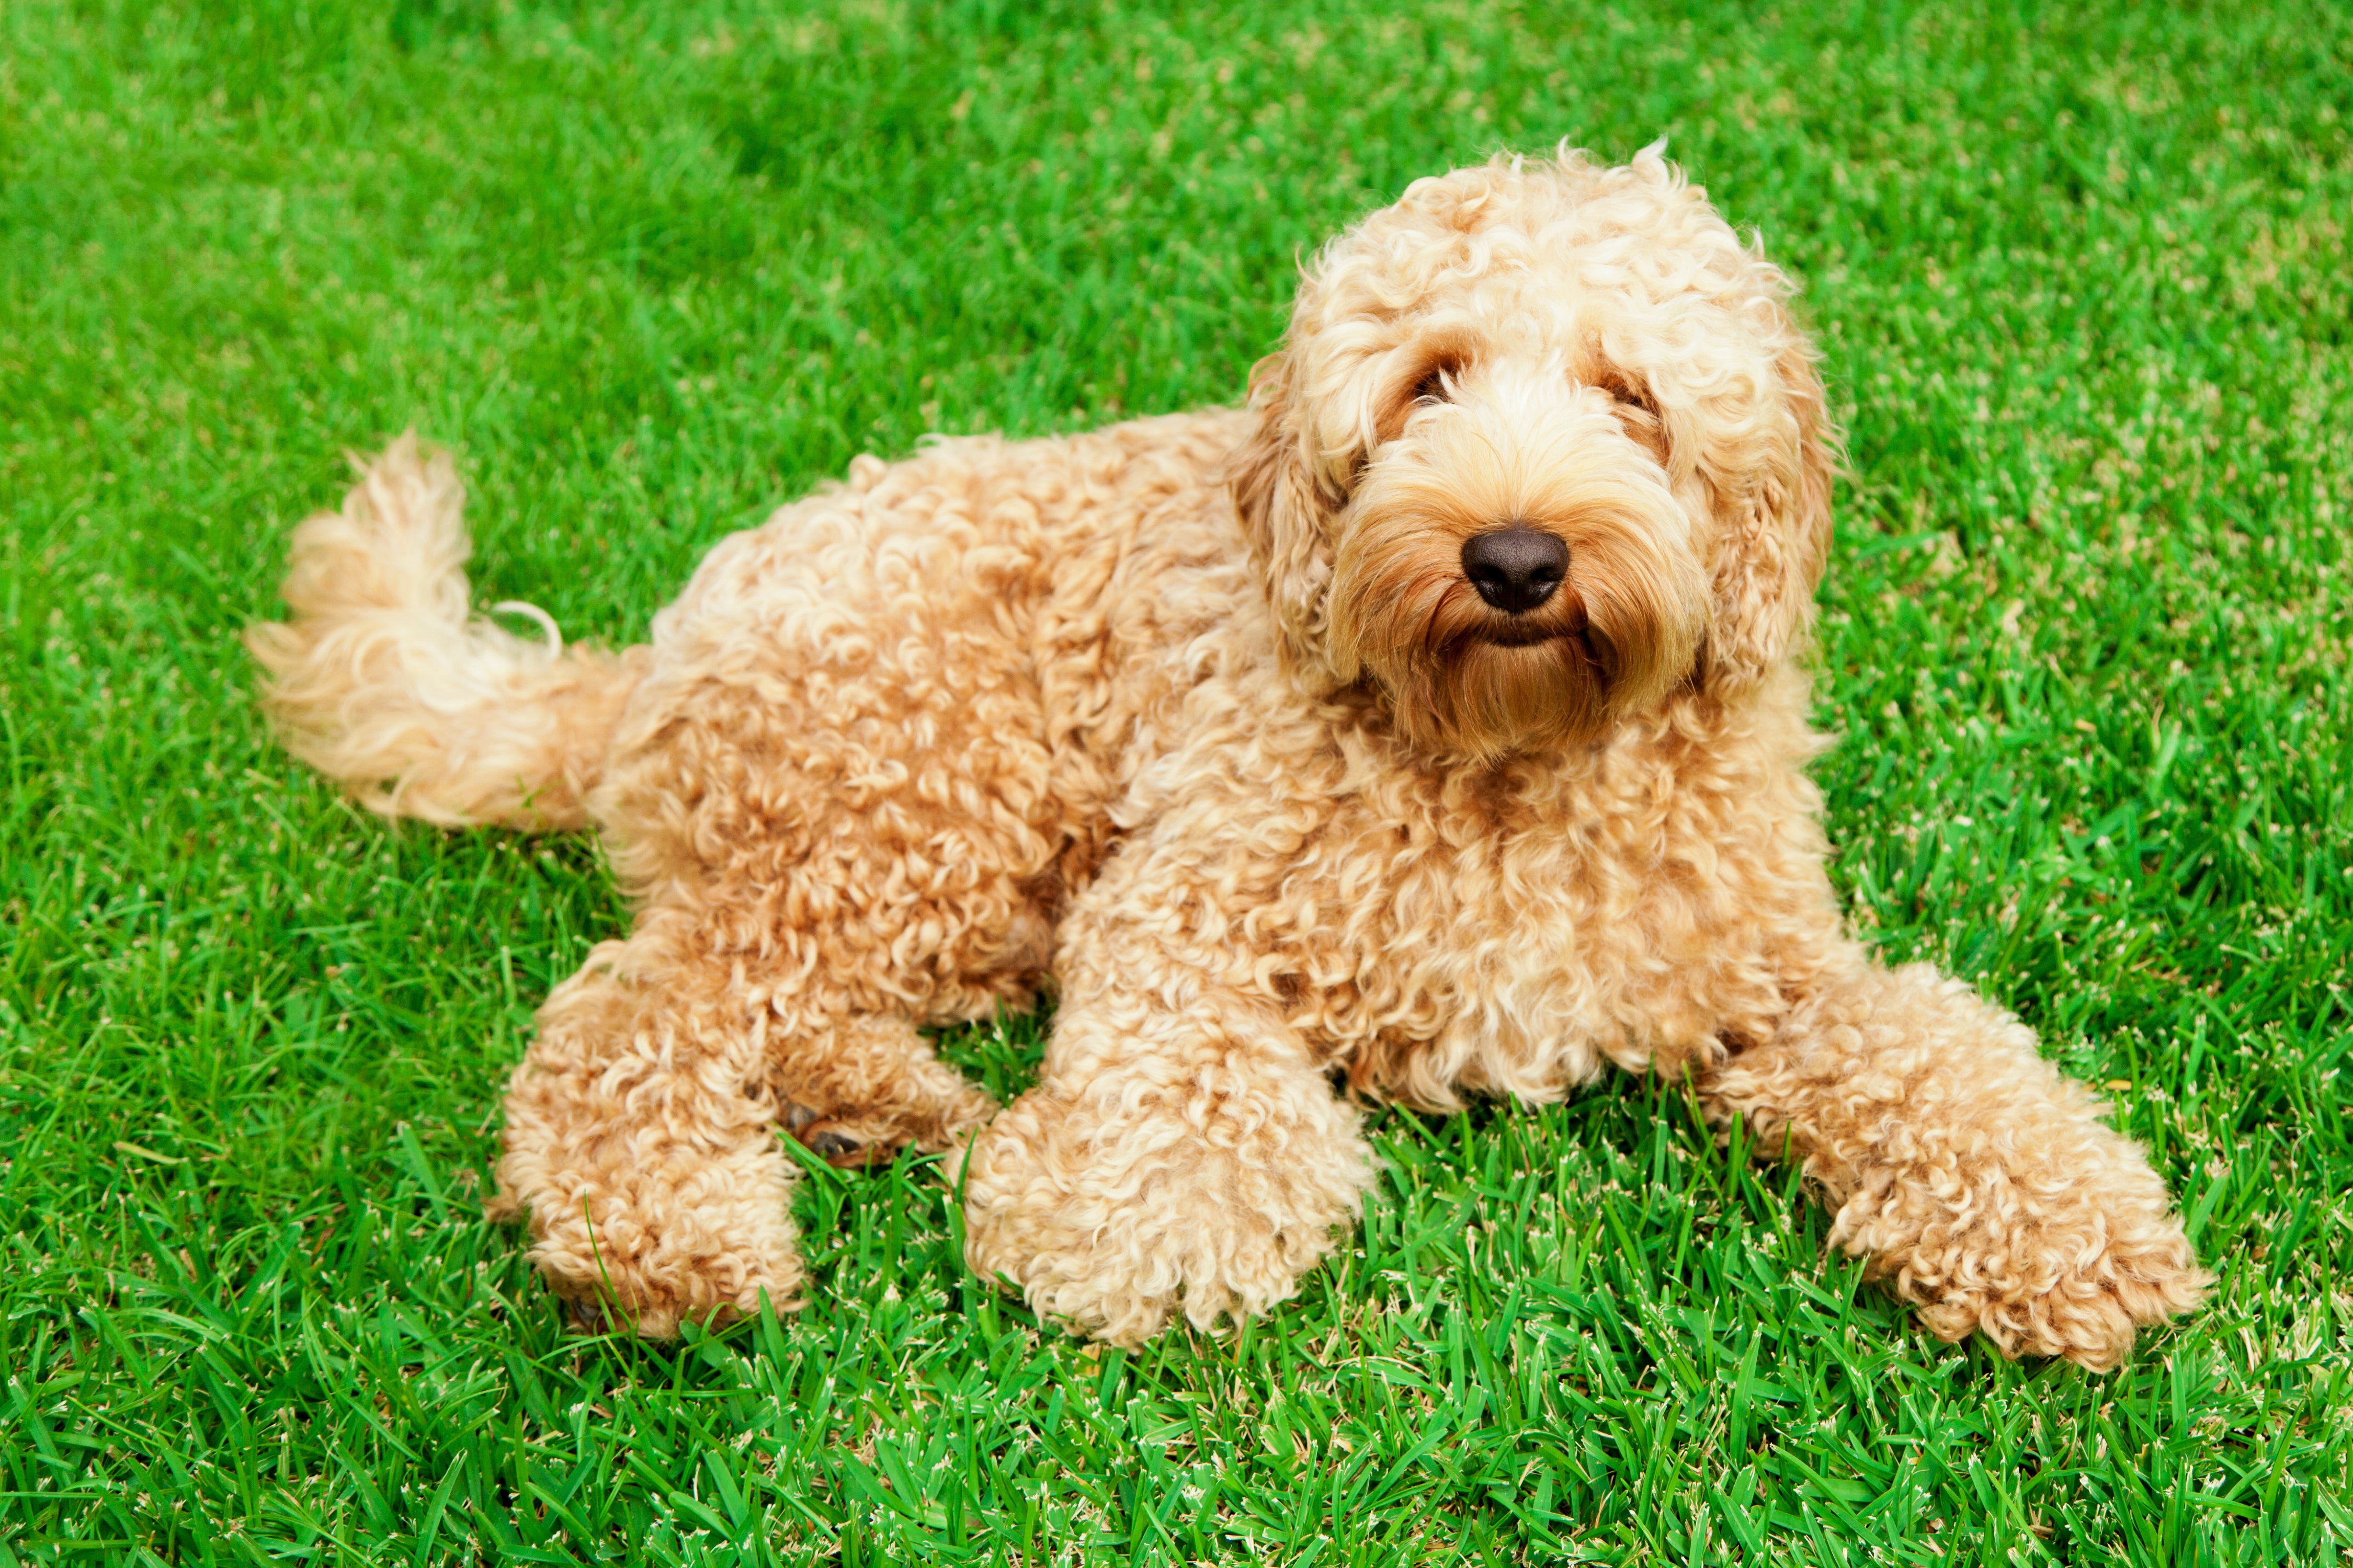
{"points": [[2083, 283]]}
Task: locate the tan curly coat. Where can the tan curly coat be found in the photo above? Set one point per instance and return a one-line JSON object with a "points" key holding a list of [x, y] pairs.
{"points": [[1204, 719]]}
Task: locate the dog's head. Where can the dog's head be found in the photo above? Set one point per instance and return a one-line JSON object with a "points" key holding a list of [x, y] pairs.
{"points": [[1543, 445]]}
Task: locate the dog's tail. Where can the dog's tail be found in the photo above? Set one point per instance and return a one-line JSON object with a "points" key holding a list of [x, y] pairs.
{"points": [[384, 682]]}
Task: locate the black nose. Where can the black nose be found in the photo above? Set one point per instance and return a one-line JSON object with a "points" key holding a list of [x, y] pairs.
{"points": [[1516, 569]]}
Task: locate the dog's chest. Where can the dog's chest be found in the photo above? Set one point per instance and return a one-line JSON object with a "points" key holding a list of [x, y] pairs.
{"points": [[1516, 951], [1507, 964], [1433, 933]]}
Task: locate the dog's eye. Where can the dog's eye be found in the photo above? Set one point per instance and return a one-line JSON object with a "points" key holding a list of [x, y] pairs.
{"points": [[1630, 397], [1639, 414], [1431, 387]]}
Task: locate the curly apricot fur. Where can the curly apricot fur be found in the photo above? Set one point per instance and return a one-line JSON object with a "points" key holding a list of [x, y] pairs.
{"points": [[1200, 719]]}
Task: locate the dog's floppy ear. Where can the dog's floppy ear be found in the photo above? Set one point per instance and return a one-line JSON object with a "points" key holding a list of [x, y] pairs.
{"points": [[1778, 539], [1286, 518]]}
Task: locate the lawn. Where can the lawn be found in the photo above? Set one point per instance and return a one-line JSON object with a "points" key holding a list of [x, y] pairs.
{"points": [[2083, 284]]}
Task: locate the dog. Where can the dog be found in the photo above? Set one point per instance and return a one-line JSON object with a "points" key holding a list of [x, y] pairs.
{"points": [[1433, 725]]}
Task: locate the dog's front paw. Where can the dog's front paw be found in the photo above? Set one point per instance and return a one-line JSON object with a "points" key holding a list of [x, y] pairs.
{"points": [[1116, 1228], [2057, 1273]]}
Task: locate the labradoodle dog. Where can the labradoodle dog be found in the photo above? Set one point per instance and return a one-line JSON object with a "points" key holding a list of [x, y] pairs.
{"points": [[1433, 725]]}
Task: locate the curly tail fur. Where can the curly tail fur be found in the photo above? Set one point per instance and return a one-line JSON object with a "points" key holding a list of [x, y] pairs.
{"points": [[382, 682]]}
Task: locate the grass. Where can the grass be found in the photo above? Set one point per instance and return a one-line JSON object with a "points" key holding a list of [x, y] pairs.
{"points": [[2083, 282]]}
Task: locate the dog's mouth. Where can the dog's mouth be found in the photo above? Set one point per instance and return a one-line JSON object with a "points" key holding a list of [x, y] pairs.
{"points": [[1530, 631], [1520, 634], [1469, 675]]}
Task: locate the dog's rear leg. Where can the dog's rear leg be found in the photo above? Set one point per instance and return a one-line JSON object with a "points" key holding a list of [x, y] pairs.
{"points": [[642, 1128], [640, 1142], [854, 1090]]}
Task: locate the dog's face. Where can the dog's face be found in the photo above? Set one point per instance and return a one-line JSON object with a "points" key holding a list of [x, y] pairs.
{"points": [[1543, 446]]}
